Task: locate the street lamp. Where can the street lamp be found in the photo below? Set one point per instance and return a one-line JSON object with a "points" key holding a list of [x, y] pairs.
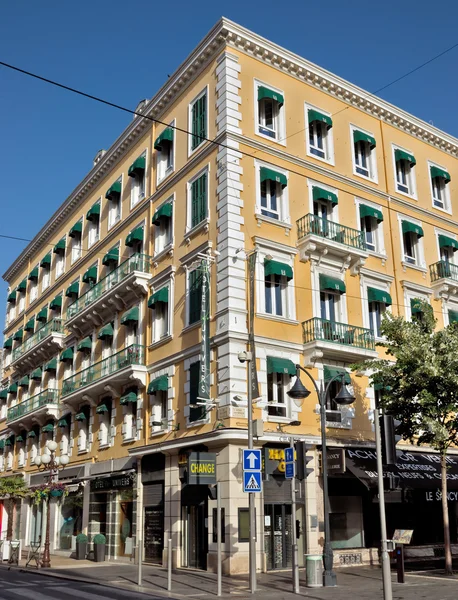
{"points": [[298, 393], [53, 463]]}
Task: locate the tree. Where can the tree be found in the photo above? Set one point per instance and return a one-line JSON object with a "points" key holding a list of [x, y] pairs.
{"points": [[12, 489], [419, 379]]}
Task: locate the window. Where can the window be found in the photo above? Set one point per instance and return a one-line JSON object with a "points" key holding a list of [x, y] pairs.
{"points": [[198, 116], [45, 278], [370, 219], [405, 171], [75, 248], [272, 194], [82, 418], [416, 311], [165, 150], [94, 232], [194, 296], [411, 235], [244, 524], [270, 108], [103, 412], [114, 210], [163, 227], [334, 389], [159, 411], [159, 303], [21, 302], [277, 276], [278, 401], [364, 154], [129, 406], [196, 413], [60, 264], [377, 301], [447, 248], [11, 312], [331, 309], [137, 181], [198, 192], [33, 285], [319, 138], [440, 179]]}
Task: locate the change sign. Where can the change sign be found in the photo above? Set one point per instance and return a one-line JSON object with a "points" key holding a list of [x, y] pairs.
{"points": [[201, 468]]}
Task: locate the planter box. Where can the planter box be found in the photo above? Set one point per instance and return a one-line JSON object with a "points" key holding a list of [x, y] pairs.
{"points": [[81, 550], [99, 552], [56, 493]]}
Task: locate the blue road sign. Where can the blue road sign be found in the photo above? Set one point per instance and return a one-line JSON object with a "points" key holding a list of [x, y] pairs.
{"points": [[252, 460], [289, 470], [289, 455], [252, 481]]}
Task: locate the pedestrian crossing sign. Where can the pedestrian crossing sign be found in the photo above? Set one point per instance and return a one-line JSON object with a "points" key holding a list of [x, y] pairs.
{"points": [[252, 481]]}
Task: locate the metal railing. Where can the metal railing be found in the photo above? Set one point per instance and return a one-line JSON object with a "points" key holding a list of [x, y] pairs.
{"points": [[313, 225], [318, 329], [44, 398], [137, 262], [443, 270], [54, 326], [133, 355]]}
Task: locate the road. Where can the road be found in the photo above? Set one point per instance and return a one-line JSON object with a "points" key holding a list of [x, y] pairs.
{"points": [[18, 585]]}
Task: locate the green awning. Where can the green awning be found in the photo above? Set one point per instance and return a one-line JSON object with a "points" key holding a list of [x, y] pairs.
{"points": [[62, 422], [21, 438], [17, 337], [32, 434], [37, 374], [42, 316], [163, 212], [408, 227], [22, 286], [114, 191], [52, 365], [77, 229], [436, 172], [319, 193], [12, 388], [271, 175], [33, 275], [166, 136], [369, 211], [106, 332], [315, 115], [161, 295], [80, 417], [448, 242], [130, 316], [330, 372], [93, 214], [73, 289], [112, 256], [67, 355], [415, 306], [60, 246], [8, 343], [160, 384], [46, 261], [129, 398], [401, 155], [24, 382], [49, 428], [452, 317], [85, 345], [2, 444], [56, 303], [101, 409], [359, 136], [4, 394], [274, 267], [12, 296], [375, 295], [134, 236], [265, 92], [280, 365], [9, 441], [137, 167], [331, 284], [91, 275], [30, 325]]}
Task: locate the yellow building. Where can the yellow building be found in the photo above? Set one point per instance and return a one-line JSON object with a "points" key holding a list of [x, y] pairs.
{"points": [[344, 206]]}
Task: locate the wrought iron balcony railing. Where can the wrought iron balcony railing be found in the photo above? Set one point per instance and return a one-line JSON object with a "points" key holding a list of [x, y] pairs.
{"points": [[54, 326], [443, 270], [313, 225], [318, 329], [27, 406]]}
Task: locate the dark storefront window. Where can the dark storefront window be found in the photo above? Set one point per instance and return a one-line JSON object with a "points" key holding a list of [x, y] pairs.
{"points": [[71, 519]]}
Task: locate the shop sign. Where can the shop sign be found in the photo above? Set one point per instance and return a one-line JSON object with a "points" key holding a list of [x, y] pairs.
{"points": [[431, 496], [112, 483], [336, 460], [274, 461], [201, 468]]}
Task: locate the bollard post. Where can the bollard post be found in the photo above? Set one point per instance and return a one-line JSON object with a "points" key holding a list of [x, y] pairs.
{"points": [[400, 562], [140, 561], [169, 565], [218, 539]]}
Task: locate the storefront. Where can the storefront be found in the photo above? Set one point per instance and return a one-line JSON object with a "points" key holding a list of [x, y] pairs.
{"points": [[153, 467]]}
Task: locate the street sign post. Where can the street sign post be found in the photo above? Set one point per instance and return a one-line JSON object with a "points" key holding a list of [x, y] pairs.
{"points": [[289, 463], [252, 460], [252, 467], [252, 481]]}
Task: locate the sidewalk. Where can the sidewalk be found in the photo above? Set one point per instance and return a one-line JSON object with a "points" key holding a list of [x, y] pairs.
{"points": [[360, 583]]}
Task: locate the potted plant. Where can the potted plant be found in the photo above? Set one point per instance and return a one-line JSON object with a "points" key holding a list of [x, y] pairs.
{"points": [[99, 547], [81, 546]]}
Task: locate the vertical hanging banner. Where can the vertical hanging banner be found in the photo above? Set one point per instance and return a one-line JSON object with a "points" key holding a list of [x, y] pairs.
{"points": [[254, 373], [204, 383]]}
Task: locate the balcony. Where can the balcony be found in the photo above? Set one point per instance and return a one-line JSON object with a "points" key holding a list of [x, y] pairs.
{"points": [[40, 346], [115, 292], [34, 409], [336, 341], [444, 278], [318, 237], [107, 376]]}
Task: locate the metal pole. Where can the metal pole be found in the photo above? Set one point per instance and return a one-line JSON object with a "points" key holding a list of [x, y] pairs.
{"points": [[169, 565], [252, 546], [329, 576], [295, 563], [139, 520], [140, 560], [46, 561], [218, 538], [386, 567]]}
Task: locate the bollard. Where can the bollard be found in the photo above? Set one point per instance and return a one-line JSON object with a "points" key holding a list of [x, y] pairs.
{"points": [[140, 561], [169, 566]]}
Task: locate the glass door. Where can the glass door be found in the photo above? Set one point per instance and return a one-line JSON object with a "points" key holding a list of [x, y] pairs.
{"points": [[277, 536], [197, 536]]}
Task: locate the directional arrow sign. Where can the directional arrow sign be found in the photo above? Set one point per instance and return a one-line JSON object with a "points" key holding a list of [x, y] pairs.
{"points": [[252, 481], [252, 460]]}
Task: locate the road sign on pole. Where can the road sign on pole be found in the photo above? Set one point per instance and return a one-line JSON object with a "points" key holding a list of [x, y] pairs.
{"points": [[289, 455], [252, 460], [252, 481], [289, 470]]}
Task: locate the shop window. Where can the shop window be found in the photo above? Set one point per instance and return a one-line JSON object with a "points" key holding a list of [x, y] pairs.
{"points": [[36, 522], [71, 520], [244, 525]]}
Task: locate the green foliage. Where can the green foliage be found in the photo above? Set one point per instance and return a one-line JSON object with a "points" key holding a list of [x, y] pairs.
{"points": [[13, 487], [81, 538], [100, 539]]}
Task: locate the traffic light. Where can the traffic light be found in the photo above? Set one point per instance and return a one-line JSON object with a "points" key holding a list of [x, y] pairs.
{"points": [[389, 425], [302, 460]]}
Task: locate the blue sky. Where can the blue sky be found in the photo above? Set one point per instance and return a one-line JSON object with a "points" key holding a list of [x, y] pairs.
{"points": [[123, 51]]}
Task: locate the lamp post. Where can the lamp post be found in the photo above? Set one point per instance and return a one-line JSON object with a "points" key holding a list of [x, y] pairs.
{"points": [[300, 392], [53, 463]]}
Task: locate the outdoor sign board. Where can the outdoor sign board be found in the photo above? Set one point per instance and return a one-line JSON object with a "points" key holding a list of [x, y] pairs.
{"points": [[201, 468]]}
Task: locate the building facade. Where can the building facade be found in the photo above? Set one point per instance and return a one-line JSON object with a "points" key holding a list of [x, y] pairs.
{"points": [[249, 163]]}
